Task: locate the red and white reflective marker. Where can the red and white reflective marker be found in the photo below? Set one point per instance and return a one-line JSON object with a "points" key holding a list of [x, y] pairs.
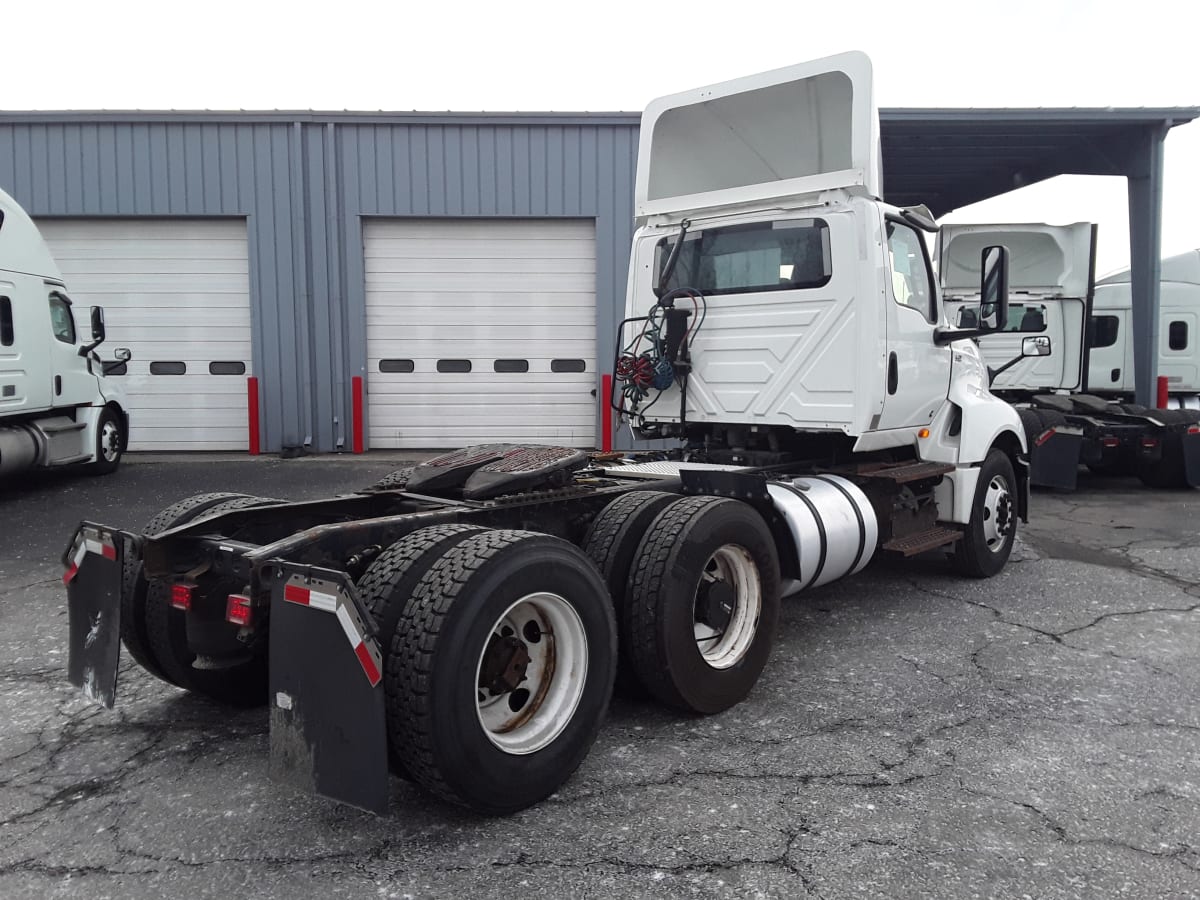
{"points": [[365, 649], [238, 610], [306, 597], [100, 545]]}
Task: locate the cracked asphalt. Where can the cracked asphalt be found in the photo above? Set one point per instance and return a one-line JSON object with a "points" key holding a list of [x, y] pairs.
{"points": [[915, 734]]}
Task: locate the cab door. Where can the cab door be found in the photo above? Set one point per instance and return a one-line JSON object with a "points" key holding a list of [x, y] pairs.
{"points": [[71, 383], [917, 370]]}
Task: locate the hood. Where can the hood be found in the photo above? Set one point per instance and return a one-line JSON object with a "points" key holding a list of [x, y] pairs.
{"points": [[791, 131], [1051, 260]]}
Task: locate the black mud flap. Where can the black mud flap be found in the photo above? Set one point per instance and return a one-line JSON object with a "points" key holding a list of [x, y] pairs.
{"points": [[1054, 457], [1191, 455], [93, 579], [328, 733]]}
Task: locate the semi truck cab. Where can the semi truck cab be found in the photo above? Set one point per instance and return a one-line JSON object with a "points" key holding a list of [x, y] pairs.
{"points": [[57, 408]]}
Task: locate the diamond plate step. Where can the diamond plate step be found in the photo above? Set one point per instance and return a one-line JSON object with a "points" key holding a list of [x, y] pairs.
{"points": [[930, 539], [902, 473]]}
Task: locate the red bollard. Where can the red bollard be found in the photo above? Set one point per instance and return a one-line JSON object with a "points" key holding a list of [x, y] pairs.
{"points": [[1162, 391], [606, 435]]}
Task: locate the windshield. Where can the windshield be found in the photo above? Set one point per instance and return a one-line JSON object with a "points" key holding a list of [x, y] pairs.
{"points": [[762, 256]]}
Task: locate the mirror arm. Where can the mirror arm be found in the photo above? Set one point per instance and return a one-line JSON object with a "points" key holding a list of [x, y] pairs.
{"points": [[992, 373], [943, 336], [88, 348]]}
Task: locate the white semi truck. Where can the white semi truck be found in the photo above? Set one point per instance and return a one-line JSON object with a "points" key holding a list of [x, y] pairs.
{"points": [[1110, 372], [462, 622], [1065, 358], [56, 406]]}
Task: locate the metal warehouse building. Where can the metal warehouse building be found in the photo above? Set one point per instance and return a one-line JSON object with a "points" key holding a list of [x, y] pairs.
{"points": [[409, 280]]}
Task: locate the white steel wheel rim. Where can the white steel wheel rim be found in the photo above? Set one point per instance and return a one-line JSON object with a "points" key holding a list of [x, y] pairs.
{"points": [[997, 513], [110, 441], [554, 681], [733, 565]]}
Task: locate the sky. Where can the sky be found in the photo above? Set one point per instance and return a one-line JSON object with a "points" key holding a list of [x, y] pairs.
{"points": [[618, 55]]}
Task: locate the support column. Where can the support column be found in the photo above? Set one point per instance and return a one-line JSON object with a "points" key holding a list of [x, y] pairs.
{"points": [[1145, 180]]}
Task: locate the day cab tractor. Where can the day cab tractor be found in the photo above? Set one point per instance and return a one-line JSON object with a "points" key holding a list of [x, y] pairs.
{"points": [[461, 623], [1065, 357]]}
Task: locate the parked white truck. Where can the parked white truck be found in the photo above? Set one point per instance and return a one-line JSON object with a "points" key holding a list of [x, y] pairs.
{"points": [[463, 621], [56, 406], [1110, 373], [1062, 326]]}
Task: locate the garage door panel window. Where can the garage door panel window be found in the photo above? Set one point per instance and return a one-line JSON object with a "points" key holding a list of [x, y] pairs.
{"points": [[510, 365], [169, 367], [454, 365], [230, 367], [568, 365], [392, 366]]}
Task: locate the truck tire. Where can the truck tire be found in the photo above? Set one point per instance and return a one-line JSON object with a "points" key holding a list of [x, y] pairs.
{"points": [[487, 601], [243, 683], [388, 584], [110, 442], [393, 481], [703, 603], [1032, 423], [611, 543], [133, 593], [987, 540]]}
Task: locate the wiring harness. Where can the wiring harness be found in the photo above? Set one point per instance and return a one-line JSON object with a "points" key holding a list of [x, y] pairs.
{"points": [[659, 356]]}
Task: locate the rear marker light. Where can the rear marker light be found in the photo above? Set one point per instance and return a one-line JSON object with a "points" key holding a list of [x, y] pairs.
{"points": [[181, 596], [1111, 442], [238, 610], [1149, 442], [1193, 429]]}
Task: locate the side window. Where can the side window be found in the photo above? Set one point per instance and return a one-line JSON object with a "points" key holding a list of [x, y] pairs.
{"points": [[6, 322], [786, 255], [1105, 330], [912, 282], [1177, 336], [61, 320]]}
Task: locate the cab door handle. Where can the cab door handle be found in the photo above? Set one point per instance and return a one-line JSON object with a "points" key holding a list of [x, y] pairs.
{"points": [[893, 373]]}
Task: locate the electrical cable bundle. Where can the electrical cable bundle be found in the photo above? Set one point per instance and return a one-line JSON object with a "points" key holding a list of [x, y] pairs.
{"points": [[652, 368]]}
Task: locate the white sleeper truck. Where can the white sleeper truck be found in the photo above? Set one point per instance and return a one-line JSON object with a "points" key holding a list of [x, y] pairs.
{"points": [[1110, 373], [1065, 357], [56, 406], [462, 622]]}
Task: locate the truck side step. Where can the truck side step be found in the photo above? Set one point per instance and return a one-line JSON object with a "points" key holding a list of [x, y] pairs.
{"points": [[899, 473], [922, 541]]}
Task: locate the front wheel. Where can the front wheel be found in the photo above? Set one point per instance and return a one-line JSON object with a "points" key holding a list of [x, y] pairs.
{"points": [[988, 539], [500, 670], [110, 442]]}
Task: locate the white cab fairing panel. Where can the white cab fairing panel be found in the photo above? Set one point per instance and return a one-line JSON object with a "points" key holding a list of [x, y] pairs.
{"points": [[803, 358], [790, 131], [1047, 260]]}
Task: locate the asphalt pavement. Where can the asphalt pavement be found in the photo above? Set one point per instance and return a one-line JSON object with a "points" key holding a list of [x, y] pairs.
{"points": [[915, 734]]}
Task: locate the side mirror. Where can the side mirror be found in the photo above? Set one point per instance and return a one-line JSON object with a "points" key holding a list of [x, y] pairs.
{"points": [[1038, 345], [97, 324], [122, 354], [993, 289]]}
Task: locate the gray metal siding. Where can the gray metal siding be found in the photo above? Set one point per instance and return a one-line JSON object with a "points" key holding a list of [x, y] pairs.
{"points": [[303, 185]]}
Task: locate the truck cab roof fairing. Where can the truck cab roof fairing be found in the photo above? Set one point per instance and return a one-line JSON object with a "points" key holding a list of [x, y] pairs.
{"points": [[21, 246], [790, 131], [1050, 260]]}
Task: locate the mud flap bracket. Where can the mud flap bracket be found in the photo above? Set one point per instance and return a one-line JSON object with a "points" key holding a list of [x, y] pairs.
{"points": [[328, 732]]}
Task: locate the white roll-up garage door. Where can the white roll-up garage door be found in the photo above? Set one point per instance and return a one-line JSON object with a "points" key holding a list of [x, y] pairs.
{"points": [[480, 330], [177, 294]]}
